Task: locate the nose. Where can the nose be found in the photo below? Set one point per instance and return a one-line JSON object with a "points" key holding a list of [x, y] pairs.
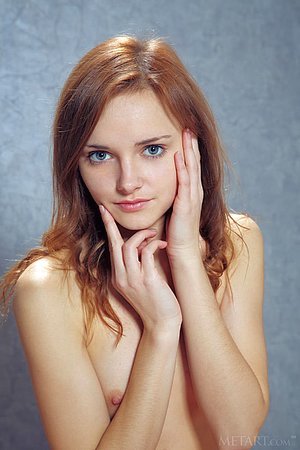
{"points": [[129, 179]]}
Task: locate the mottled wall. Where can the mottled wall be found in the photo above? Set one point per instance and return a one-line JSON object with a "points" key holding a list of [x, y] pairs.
{"points": [[245, 55]]}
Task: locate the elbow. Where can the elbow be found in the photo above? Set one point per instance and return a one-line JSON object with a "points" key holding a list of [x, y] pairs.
{"points": [[237, 442], [241, 440], [243, 432]]}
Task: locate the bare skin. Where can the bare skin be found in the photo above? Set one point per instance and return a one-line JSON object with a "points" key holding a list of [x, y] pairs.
{"points": [[191, 368], [100, 369], [185, 425]]}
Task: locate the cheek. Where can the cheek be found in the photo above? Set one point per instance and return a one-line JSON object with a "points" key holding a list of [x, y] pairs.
{"points": [[96, 186], [166, 179]]}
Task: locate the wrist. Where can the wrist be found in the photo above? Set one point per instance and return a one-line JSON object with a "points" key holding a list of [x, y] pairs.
{"points": [[185, 256], [163, 332], [194, 251]]}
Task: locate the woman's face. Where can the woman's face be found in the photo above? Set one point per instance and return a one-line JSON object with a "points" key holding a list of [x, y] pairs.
{"points": [[128, 162]]}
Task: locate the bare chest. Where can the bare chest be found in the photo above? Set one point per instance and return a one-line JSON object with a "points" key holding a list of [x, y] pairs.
{"points": [[185, 425], [113, 365]]}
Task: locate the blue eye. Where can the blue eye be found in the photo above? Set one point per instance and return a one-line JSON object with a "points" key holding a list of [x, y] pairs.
{"points": [[154, 151], [96, 157]]}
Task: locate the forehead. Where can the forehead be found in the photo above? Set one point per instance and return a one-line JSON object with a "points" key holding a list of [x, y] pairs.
{"points": [[133, 116]]}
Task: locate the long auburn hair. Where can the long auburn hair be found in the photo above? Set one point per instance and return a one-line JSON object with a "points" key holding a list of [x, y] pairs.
{"points": [[76, 237]]}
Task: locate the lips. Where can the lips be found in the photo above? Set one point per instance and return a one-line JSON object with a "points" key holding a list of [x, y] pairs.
{"points": [[133, 205]]}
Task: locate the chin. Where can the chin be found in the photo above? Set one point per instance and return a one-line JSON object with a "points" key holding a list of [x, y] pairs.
{"points": [[138, 224], [136, 221]]}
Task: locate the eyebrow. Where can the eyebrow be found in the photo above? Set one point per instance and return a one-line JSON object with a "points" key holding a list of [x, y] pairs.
{"points": [[137, 144]]}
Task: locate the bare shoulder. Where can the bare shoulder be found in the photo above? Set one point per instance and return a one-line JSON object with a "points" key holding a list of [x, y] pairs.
{"points": [[48, 313], [244, 224], [46, 286], [246, 236], [47, 274], [41, 273]]}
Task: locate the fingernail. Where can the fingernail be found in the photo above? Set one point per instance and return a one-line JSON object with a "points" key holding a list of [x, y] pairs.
{"points": [[191, 133], [102, 210], [163, 245]]}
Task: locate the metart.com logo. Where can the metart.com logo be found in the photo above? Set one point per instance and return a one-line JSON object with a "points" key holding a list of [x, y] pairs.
{"points": [[259, 441]]}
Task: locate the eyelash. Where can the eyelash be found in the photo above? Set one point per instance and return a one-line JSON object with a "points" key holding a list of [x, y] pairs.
{"points": [[155, 156], [90, 154]]}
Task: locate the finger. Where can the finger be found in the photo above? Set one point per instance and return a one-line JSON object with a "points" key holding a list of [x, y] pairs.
{"points": [[131, 253], [115, 242], [195, 147], [147, 257], [182, 177], [197, 154], [112, 230], [141, 246], [148, 240], [192, 164]]}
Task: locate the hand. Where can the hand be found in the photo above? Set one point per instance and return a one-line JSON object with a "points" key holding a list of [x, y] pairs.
{"points": [[182, 228], [136, 278]]}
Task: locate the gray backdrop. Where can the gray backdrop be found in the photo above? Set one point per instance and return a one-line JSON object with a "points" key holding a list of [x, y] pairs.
{"points": [[245, 55]]}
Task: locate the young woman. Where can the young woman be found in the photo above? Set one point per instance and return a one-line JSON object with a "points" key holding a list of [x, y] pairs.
{"points": [[141, 313]]}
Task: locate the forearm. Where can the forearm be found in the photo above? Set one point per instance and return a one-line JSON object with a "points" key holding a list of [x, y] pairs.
{"points": [[224, 383], [139, 420]]}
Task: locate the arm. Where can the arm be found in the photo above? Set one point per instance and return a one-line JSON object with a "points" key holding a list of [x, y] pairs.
{"points": [[68, 392], [139, 420], [227, 343], [225, 348]]}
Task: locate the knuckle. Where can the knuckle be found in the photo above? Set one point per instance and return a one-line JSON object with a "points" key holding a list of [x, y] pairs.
{"points": [[147, 251], [125, 251], [120, 284], [114, 244], [126, 247], [185, 180], [132, 284], [149, 281]]}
